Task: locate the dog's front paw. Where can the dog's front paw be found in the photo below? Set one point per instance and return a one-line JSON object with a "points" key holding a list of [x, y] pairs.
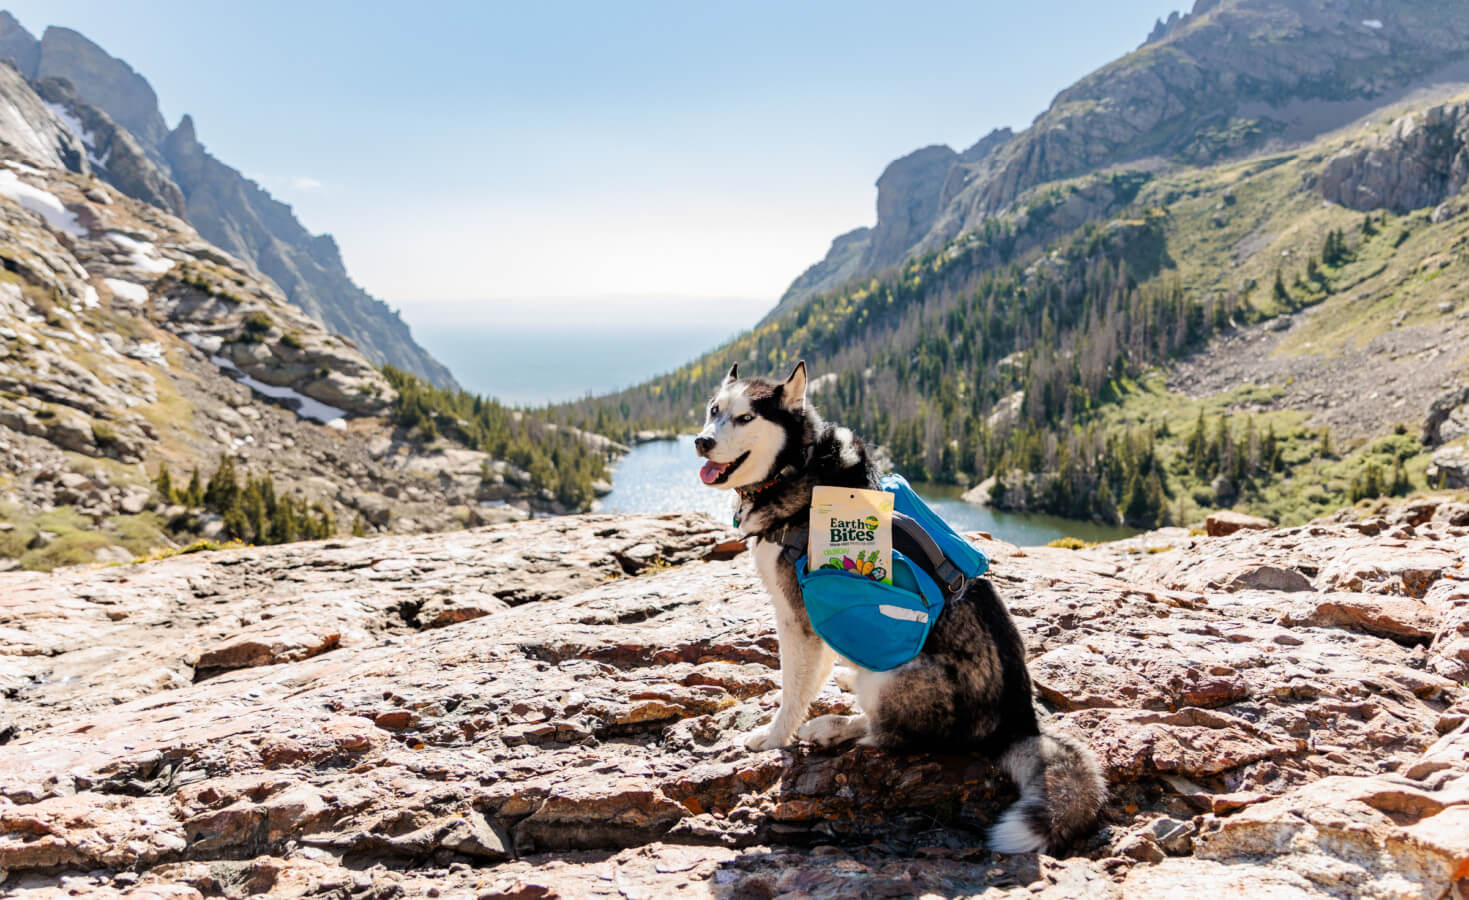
{"points": [[767, 738]]}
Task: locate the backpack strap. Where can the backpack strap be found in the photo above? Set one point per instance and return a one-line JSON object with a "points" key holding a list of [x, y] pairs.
{"points": [[792, 539], [919, 545]]}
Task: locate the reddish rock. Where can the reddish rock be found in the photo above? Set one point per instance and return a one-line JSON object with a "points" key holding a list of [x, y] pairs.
{"points": [[1400, 618], [1227, 522], [589, 741]]}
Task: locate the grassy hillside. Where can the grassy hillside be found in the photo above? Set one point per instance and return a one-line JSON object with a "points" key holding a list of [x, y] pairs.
{"points": [[1061, 371]]}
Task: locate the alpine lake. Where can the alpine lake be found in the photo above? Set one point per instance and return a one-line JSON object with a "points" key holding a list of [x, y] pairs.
{"points": [[663, 476]]}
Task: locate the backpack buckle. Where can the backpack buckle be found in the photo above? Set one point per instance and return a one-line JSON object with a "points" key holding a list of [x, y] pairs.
{"points": [[952, 577]]}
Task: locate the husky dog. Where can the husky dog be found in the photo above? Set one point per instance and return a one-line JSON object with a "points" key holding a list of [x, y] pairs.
{"points": [[968, 688]]}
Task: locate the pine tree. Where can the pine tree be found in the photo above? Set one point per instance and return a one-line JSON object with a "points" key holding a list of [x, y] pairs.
{"points": [[223, 490], [1135, 507], [1278, 291], [1367, 485], [1401, 484], [1198, 446], [1269, 451], [194, 494], [164, 484]]}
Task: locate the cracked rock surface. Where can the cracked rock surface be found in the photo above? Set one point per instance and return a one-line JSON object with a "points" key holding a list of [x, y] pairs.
{"points": [[554, 707]]}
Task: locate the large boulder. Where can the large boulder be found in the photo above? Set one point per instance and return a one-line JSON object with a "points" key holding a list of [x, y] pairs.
{"points": [[1448, 417], [1449, 468], [1418, 162]]}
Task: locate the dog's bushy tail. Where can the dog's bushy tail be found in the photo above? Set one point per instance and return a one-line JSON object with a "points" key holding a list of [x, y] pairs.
{"points": [[1061, 790]]}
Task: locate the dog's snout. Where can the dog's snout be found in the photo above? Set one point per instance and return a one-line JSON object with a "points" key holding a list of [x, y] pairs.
{"points": [[703, 444]]}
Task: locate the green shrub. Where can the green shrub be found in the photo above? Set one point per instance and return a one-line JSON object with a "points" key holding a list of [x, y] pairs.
{"points": [[257, 327], [253, 512]]}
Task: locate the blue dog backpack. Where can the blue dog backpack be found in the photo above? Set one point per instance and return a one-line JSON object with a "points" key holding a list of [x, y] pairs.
{"points": [[880, 626]]}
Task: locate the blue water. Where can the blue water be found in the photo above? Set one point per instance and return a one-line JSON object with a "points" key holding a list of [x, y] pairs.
{"points": [[663, 476], [566, 361]]}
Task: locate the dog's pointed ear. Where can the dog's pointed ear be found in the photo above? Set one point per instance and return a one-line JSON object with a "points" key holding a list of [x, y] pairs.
{"points": [[793, 391], [733, 374]]}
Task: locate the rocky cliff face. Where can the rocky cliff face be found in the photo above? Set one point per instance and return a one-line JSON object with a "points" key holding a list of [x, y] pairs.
{"points": [[553, 709], [237, 215], [112, 151], [105, 81], [129, 344], [118, 110], [1421, 161], [1225, 79]]}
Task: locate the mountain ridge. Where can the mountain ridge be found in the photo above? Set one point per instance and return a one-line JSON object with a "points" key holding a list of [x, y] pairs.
{"points": [[155, 390], [231, 210], [1206, 85]]}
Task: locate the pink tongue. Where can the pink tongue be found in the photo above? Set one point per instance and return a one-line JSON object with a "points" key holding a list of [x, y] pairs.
{"points": [[711, 471]]}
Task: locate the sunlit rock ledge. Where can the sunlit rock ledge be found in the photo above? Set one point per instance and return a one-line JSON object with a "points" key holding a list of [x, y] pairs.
{"points": [[551, 708]]}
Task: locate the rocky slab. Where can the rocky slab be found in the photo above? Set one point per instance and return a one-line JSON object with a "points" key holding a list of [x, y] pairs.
{"points": [[358, 732]]}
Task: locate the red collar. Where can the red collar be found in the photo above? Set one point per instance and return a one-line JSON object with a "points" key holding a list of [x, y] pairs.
{"points": [[750, 492]]}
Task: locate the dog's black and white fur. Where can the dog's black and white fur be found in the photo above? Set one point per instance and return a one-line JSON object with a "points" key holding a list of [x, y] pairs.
{"points": [[968, 689]]}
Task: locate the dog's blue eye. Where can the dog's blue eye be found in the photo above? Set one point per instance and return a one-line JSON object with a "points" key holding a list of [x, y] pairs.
{"points": [[745, 419]]}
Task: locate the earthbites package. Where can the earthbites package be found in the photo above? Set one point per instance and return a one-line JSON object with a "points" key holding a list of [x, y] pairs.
{"points": [[852, 529]]}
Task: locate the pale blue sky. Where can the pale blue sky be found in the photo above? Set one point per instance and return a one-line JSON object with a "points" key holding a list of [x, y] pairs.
{"points": [[498, 152]]}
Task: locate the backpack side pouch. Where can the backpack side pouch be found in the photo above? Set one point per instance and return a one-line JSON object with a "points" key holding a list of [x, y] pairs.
{"points": [[875, 625]]}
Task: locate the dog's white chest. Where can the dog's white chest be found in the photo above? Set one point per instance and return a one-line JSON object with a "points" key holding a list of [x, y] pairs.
{"points": [[767, 558], [771, 569]]}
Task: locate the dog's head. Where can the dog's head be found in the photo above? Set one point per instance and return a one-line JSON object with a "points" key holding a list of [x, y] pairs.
{"points": [[748, 424]]}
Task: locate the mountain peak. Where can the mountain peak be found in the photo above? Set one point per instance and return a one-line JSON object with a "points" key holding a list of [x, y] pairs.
{"points": [[18, 45], [102, 80], [185, 131]]}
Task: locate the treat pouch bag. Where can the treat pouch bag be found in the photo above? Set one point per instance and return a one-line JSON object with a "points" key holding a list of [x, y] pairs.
{"points": [[852, 530]]}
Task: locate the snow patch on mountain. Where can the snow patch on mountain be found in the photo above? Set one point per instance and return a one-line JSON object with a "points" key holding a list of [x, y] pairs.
{"points": [[129, 291], [43, 203], [145, 256], [304, 406]]}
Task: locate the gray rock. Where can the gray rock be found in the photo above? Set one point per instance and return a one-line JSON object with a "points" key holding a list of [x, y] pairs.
{"points": [[1449, 468], [1448, 416], [234, 213], [18, 45], [134, 501], [1175, 837], [104, 81], [1418, 162], [1270, 578], [32, 132]]}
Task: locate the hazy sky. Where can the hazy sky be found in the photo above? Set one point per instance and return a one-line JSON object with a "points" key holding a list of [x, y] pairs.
{"points": [[483, 151]]}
